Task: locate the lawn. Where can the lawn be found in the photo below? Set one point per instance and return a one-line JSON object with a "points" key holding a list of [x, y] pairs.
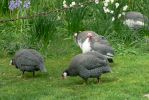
{"points": [[48, 27], [128, 81]]}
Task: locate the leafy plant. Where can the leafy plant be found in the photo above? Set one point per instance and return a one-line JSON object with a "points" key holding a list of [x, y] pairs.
{"points": [[43, 29], [4, 7], [74, 17]]}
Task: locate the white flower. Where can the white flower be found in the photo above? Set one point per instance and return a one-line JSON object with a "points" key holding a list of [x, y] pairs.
{"points": [[106, 4], [73, 3], [117, 5], [107, 1], [106, 10], [123, 13], [111, 1], [111, 11], [96, 1], [113, 19], [65, 6], [82, 6], [70, 5], [64, 2], [125, 8], [119, 15]]}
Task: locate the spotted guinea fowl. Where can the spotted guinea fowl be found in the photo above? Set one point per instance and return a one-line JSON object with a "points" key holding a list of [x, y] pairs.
{"points": [[81, 37], [87, 65], [90, 45], [28, 60], [135, 20]]}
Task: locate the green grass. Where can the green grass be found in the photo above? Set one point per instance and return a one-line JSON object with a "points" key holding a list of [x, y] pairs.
{"points": [[128, 81]]}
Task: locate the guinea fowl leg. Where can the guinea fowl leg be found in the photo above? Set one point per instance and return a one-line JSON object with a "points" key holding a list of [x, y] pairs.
{"points": [[86, 81], [33, 73], [23, 72], [98, 80]]}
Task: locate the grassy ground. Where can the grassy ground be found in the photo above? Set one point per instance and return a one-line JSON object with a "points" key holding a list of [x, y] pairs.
{"points": [[129, 81], [130, 77]]}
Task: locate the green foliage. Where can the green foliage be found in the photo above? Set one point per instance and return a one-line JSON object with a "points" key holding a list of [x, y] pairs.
{"points": [[52, 34], [43, 28], [97, 21], [40, 32], [74, 18], [9, 39], [4, 7]]}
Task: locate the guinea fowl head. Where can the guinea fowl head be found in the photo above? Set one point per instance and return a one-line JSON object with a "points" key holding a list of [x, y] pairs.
{"points": [[89, 35], [65, 74]]}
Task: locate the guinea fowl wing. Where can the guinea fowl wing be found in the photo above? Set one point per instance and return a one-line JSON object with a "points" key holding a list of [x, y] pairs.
{"points": [[27, 59], [97, 54], [91, 61], [37, 55], [103, 49], [92, 73]]}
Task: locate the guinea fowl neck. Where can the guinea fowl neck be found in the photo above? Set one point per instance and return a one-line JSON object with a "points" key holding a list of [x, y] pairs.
{"points": [[86, 46]]}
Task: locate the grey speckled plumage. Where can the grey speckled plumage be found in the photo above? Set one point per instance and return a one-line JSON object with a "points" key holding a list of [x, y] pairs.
{"points": [[29, 60], [88, 65], [108, 51], [90, 45], [135, 20], [81, 37]]}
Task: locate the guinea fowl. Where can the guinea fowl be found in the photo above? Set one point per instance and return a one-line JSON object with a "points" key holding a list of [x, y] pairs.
{"points": [[28, 60], [135, 20], [88, 65], [81, 37], [90, 45]]}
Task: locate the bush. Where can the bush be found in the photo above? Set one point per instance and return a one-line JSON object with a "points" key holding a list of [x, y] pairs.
{"points": [[40, 32]]}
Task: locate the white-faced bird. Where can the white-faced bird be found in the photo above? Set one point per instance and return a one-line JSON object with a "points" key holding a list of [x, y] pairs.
{"points": [[88, 65]]}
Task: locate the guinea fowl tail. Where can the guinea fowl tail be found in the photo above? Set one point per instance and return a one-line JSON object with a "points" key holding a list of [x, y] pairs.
{"points": [[42, 68], [110, 60], [106, 69], [110, 57]]}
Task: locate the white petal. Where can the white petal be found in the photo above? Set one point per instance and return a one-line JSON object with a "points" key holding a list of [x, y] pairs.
{"points": [[96, 1], [117, 5], [112, 1], [125, 8], [105, 4], [113, 19], [119, 15]]}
